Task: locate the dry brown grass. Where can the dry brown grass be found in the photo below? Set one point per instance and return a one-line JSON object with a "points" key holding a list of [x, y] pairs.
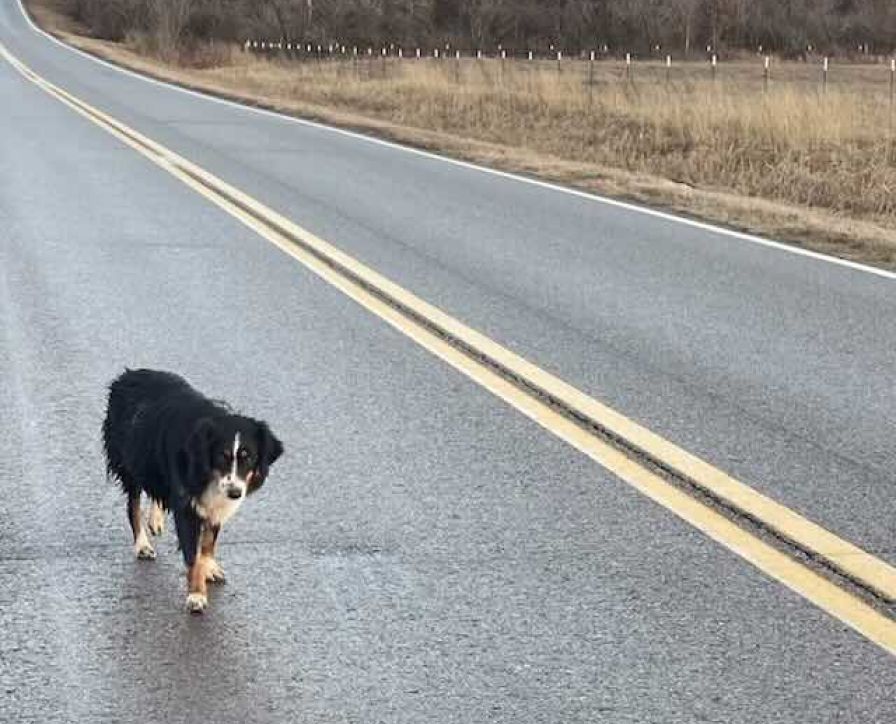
{"points": [[810, 167], [791, 143]]}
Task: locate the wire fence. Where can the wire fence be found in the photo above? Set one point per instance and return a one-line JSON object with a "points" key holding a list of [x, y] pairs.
{"points": [[870, 83], [599, 65]]}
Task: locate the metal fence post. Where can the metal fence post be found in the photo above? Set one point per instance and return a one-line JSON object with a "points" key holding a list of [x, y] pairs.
{"points": [[892, 82], [892, 102], [591, 80]]}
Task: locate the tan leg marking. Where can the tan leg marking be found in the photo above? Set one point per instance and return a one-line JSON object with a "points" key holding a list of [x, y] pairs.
{"points": [[197, 598], [142, 547], [156, 519], [208, 541], [213, 571]]}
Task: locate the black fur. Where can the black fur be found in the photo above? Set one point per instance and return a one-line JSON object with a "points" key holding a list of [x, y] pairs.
{"points": [[166, 439]]}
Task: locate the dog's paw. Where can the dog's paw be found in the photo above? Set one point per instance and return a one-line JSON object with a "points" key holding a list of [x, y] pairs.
{"points": [[196, 603], [156, 520], [145, 552], [213, 572]]}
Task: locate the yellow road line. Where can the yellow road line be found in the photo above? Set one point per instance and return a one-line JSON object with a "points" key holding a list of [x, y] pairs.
{"points": [[368, 288]]}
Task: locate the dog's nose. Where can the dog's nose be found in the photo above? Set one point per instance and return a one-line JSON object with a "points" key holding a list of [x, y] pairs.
{"points": [[234, 492]]}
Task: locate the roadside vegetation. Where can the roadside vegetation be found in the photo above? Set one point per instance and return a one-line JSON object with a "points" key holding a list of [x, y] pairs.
{"points": [[788, 28], [787, 156]]}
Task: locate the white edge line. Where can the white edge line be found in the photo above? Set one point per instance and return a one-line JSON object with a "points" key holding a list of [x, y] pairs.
{"points": [[704, 226]]}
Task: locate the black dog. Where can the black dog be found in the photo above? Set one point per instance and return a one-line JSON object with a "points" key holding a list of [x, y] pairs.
{"points": [[190, 455]]}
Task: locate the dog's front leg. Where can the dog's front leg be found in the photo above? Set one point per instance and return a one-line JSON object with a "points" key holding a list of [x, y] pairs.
{"points": [[208, 539], [188, 527]]}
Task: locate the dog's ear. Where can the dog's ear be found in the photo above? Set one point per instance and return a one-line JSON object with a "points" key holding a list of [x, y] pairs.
{"points": [[269, 449], [197, 454]]}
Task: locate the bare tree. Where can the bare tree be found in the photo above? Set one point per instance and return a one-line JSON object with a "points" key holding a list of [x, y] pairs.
{"points": [[787, 26]]}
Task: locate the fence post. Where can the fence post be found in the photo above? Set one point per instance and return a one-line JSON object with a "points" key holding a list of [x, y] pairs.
{"points": [[892, 102], [628, 66], [892, 82], [668, 67], [559, 58], [713, 67], [457, 67], [591, 80], [765, 74], [824, 76]]}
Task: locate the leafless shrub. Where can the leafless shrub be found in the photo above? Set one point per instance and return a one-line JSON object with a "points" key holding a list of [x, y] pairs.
{"points": [[793, 28]]}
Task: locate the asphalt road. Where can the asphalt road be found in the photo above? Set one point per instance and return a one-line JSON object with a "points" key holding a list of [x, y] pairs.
{"points": [[422, 552]]}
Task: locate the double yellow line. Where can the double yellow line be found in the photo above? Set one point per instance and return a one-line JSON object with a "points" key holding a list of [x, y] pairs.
{"points": [[565, 411]]}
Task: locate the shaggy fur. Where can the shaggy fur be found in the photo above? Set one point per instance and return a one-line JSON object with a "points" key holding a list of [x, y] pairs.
{"points": [[190, 455]]}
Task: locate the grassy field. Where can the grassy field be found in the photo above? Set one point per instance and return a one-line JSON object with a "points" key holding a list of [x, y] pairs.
{"points": [[791, 143], [810, 165]]}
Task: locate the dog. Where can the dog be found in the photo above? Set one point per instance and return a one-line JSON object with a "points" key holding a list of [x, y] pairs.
{"points": [[192, 456]]}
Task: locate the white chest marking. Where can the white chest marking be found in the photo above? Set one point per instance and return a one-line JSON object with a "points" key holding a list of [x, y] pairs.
{"points": [[215, 505], [217, 508]]}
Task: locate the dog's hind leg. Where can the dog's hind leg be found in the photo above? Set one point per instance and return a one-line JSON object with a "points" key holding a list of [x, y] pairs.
{"points": [[142, 547], [155, 521]]}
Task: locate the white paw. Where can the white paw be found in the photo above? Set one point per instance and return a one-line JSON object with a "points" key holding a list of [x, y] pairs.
{"points": [[196, 603], [145, 552], [213, 572]]}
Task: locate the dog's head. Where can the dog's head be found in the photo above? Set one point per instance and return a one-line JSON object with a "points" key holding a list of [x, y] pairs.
{"points": [[229, 457]]}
